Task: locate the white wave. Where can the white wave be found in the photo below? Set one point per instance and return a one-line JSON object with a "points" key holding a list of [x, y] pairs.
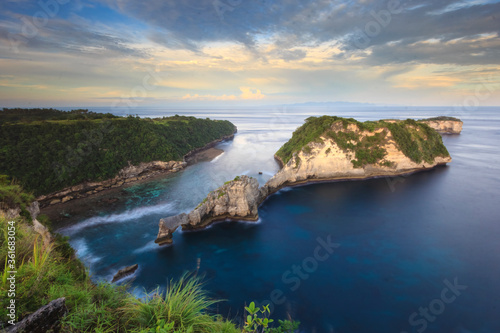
{"points": [[83, 253], [217, 157], [128, 215], [150, 246]]}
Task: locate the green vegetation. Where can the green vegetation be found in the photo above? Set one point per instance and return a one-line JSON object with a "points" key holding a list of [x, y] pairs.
{"points": [[47, 271], [417, 141], [311, 131], [47, 150], [441, 118], [29, 115], [12, 195], [258, 321]]}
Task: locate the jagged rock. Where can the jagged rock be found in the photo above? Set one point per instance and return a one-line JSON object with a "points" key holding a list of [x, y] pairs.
{"points": [[167, 227], [238, 199], [43, 231], [10, 213], [34, 209], [445, 126], [125, 272], [45, 319]]}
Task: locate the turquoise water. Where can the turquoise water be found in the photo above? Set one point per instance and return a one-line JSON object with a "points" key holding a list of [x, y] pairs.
{"points": [[396, 245]]}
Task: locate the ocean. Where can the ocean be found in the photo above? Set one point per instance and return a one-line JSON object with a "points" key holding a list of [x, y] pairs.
{"points": [[416, 253]]}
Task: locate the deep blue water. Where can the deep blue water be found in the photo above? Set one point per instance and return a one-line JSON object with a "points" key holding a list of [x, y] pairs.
{"points": [[398, 243]]}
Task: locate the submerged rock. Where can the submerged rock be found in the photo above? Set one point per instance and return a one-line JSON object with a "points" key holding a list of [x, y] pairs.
{"points": [[125, 272]]}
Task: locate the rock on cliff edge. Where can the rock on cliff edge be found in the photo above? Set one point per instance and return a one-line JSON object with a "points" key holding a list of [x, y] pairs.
{"points": [[450, 126], [237, 199]]}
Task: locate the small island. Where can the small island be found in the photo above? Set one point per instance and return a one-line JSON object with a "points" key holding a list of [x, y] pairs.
{"points": [[326, 148]]}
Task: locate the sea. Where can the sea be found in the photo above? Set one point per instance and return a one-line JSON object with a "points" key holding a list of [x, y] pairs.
{"points": [[416, 253]]}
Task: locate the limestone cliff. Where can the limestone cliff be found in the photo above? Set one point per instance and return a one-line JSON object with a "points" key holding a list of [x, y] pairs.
{"points": [[238, 199], [444, 125], [128, 174], [352, 150]]}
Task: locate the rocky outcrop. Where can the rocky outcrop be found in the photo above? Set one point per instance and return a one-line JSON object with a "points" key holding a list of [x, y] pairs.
{"points": [[338, 149], [45, 319], [124, 272], [168, 226], [445, 126], [325, 160], [238, 199], [126, 175]]}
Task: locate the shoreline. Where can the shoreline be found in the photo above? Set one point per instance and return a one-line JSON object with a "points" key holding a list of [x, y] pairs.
{"points": [[53, 202], [229, 218], [347, 179]]}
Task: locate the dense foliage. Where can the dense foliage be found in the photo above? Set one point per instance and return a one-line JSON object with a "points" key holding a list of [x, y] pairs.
{"points": [[29, 115], [417, 141], [48, 155]]}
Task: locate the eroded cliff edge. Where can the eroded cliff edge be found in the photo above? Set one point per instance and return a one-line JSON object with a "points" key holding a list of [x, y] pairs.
{"points": [[323, 149], [238, 199]]}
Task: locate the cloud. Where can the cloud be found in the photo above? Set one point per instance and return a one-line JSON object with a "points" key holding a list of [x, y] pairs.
{"points": [[197, 97], [249, 93], [246, 94]]}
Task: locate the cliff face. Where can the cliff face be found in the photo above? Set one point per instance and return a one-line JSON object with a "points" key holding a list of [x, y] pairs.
{"points": [[325, 160], [445, 126], [128, 174], [238, 199]]}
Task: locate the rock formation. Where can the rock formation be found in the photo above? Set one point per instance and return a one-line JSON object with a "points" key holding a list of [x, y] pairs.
{"points": [[323, 149], [444, 125], [238, 199], [126, 175], [129, 270], [328, 158], [45, 319]]}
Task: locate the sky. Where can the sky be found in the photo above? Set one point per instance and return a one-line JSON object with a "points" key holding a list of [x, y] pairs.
{"points": [[131, 53]]}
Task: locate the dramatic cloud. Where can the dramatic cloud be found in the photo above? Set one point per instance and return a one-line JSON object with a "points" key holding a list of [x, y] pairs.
{"points": [[387, 51]]}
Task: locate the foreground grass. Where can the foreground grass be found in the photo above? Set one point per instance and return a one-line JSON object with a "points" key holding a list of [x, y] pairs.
{"points": [[50, 270]]}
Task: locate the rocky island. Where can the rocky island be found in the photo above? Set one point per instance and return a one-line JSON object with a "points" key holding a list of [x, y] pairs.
{"points": [[325, 148], [444, 125]]}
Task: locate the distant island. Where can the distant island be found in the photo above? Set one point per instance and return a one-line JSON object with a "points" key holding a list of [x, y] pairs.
{"points": [[326, 148], [60, 156]]}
